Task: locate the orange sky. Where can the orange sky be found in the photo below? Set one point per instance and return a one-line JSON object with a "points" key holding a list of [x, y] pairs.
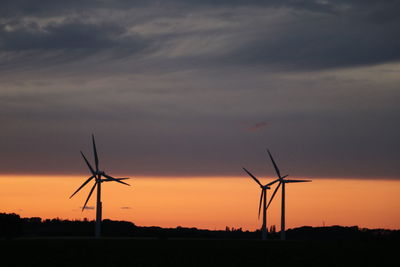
{"points": [[208, 202]]}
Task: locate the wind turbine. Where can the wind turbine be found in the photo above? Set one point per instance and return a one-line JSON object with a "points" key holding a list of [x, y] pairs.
{"points": [[283, 182], [263, 202], [97, 176]]}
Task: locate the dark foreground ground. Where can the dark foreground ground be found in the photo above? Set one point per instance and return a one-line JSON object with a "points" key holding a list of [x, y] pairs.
{"points": [[190, 252]]}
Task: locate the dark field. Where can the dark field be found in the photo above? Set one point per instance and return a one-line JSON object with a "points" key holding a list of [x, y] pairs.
{"points": [[191, 252]]}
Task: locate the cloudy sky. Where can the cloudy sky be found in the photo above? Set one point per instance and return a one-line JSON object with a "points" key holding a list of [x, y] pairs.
{"points": [[202, 88]]}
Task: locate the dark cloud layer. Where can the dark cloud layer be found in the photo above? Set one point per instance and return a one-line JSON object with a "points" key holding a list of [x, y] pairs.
{"points": [[69, 35], [308, 34], [173, 87], [27, 8], [324, 43]]}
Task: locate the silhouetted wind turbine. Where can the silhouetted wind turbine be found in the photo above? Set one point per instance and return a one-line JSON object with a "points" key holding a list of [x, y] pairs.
{"points": [[97, 176], [282, 181], [263, 202]]}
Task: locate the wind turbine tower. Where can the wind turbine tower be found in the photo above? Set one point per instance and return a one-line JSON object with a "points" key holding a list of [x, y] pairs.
{"points": [[97, 175]]}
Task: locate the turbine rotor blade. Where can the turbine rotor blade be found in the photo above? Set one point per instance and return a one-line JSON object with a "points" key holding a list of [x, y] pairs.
{"points": [[109, 180], [273, 195], [90, 194], [88, 164], [252, 176], [259, 206], [297, 181], [119, 179], [275, 166], [114, 179], [96, 159], [271, 183], [87, 181]]}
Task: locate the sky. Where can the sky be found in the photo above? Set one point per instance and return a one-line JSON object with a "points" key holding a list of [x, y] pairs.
{"points": [[201, 88], [196, 90]]}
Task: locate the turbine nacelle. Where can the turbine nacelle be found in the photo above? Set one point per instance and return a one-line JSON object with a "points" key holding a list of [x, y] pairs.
{"points": [[101, 173]]}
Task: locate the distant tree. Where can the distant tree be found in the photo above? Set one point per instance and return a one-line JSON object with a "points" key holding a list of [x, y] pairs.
{"points": [[35, 220], [10, 225]]}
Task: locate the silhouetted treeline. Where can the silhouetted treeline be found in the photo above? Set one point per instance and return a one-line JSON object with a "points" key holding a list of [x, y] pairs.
{"points": [[341, 233], [12, 225]]}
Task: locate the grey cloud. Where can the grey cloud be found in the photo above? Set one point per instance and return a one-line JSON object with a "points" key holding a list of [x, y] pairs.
{"points": [[33, 47], [40, 8], [323, 43], [47, 7], [171, 90], [316, 132], [302, 37], [71, 36]]}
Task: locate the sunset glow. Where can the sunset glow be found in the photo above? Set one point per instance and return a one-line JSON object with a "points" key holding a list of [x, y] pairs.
{"points": [[207, 202]]}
